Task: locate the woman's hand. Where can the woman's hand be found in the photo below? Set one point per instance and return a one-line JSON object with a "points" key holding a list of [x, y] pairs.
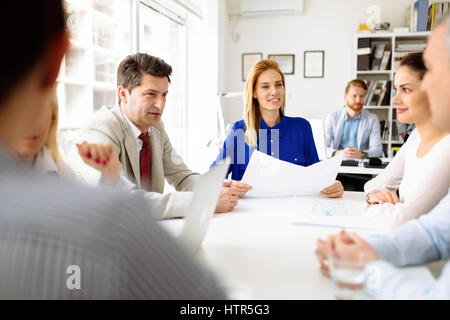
{"points": [[102, 157], [240, 187], [380, 197], [336, 190]]}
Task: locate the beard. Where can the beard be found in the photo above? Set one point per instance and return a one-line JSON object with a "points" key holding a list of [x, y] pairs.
{"points": [[355, 106]]}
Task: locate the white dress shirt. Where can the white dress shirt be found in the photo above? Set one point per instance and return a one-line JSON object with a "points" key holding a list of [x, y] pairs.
{"points": [[136, 133]]}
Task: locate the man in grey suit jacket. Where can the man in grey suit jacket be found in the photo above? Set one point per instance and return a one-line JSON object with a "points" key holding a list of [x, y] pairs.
{"points": [[60, 240], [352, 130], [143, 82]]}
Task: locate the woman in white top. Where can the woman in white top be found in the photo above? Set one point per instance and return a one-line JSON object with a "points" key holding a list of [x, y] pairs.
{"points": [[40, 148], [420, 170]]}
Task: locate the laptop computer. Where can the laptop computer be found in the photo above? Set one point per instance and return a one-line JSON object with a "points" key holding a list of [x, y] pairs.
{"points": [[191, 230]]}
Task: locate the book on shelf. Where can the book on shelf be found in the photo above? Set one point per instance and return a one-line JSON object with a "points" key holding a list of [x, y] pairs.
{"points": [[363, 51], [382, 96], [378, 55], [363, 43], [376, 95], [363, 60], [385, 133], [431, 14], [395, 134], [422, 15], [411, 46], [417, 16], [409, 18], [382, 123], [369, 93], [395, 149], [399, 55], [363, 63], [435, 12], [385, 60], [378, 92]]}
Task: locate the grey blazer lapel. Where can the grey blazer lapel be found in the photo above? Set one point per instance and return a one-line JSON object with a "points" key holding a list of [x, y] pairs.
{"points": [[130, 144], [361, 128], [339, 128]]}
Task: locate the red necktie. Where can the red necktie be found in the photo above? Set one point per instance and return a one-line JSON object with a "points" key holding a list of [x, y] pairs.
{"points": [[145, 158]]}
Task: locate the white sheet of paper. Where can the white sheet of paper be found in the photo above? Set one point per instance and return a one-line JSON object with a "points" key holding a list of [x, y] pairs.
{"points": [[332, 213], [268, 174]]}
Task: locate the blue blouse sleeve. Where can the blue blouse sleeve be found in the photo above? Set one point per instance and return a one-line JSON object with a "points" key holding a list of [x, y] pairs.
{"points": [[310, 147]]}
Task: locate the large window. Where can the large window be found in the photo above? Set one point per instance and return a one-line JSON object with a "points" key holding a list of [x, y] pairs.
{"points": [[162, 34], [103, 32], [100, 38]]}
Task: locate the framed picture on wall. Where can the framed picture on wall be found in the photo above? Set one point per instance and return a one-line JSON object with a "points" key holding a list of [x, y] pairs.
{"points": [[313, 64], [248, 61], [285, 61]]}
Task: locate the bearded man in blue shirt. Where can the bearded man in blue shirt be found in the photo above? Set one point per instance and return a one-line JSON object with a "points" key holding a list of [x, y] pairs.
{"points": [[353, 131]]}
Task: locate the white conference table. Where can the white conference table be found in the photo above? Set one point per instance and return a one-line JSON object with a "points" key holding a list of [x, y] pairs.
{"points": [[258, 253]]}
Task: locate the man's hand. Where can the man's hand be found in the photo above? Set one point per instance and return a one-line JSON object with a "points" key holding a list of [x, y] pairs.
{"points": [[380, 197], [240, 187], [228, 198], [346, 246], [323, 251], [350, 152], [103, 157], [336, 190], [351, 247]]}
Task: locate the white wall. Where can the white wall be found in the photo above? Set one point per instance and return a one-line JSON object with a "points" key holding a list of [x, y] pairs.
{"points": [[327, 25]]}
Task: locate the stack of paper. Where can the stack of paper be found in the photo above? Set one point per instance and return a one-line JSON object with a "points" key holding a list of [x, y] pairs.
{"points": [[267, 174]]}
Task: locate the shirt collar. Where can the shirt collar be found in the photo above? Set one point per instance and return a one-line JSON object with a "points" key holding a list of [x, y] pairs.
{"points": [[44, 162], [355, 118], [279, 125]]}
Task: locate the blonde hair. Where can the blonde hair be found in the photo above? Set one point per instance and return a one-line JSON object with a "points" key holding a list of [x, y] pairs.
{"points": [[52, 138], [252, 115]]}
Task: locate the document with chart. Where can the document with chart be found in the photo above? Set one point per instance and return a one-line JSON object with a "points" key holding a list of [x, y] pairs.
{"points": [[337, 213], [267, 174]]}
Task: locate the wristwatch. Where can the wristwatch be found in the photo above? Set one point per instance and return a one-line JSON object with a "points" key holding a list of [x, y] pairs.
{"points": [[364, 155]]}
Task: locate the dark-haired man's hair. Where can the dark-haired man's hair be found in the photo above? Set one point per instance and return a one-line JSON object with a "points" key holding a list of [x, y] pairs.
{"points": [[414, 61], [356, 83], [27, 28], [132, 68]]}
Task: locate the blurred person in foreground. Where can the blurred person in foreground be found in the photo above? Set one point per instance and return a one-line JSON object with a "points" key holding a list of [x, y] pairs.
{"points": [[64, 241]]}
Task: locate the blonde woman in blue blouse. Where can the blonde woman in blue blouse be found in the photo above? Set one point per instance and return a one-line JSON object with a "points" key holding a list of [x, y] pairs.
{"points": [[267, 129]]}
